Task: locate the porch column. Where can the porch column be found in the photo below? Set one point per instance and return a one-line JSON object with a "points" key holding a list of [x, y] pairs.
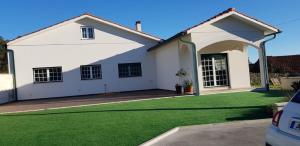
{"points": [[263, 67]]}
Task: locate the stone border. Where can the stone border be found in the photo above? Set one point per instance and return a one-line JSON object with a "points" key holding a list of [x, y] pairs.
{"points": [[160, 137]]}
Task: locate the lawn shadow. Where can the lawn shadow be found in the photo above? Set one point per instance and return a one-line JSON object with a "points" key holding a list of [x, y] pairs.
{"points": [[271, 93], [135, 110], [253, 114]]}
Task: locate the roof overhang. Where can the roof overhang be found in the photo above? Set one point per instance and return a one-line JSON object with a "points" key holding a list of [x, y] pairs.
{"points": [[266, 28], [74, 19]]}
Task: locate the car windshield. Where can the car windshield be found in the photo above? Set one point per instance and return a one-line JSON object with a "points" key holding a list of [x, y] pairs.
{"points": [[296, 98]]}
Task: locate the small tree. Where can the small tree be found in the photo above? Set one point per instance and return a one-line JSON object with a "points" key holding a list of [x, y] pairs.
{"points": [[3, 56], [181, 75]]}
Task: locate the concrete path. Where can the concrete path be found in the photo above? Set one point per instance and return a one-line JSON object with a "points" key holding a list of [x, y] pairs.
{"points": [[245, 133]]}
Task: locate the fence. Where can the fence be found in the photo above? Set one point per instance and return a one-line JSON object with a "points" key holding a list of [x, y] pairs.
{"points": [[6, 88]]}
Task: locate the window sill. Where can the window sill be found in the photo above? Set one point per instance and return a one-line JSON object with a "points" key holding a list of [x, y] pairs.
{"points": [[47, 82], [91, 79], [129, 77], [87, 39]]}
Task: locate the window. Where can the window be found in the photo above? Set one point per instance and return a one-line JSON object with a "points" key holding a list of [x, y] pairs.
{"points": [[87, 32], [47, 74], [296, 98], [214, 70], [130, 70], [90, 72]]}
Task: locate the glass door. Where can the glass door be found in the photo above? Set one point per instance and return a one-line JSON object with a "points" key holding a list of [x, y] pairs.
{"points": [[214, 70]]}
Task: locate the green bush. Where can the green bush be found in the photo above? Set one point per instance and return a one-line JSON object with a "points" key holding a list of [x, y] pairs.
{"points": [[296, 86]]}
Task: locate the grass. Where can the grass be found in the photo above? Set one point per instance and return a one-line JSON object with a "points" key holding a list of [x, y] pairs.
{"points": [[132, 123]]}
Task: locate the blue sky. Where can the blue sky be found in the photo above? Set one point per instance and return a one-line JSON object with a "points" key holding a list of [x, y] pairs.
{"points": [[162, 18]]}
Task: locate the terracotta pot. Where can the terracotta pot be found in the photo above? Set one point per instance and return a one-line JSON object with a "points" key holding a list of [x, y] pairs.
{"points": [[189, 89]]}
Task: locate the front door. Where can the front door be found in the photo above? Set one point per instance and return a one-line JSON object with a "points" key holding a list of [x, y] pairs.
{"points": [[214, 70]]}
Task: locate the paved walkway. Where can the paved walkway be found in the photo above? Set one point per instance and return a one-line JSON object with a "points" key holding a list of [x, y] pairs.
{"points": [[245, 133], [82, 100]]}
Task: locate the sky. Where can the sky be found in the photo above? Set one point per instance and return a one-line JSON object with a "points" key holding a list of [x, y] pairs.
{"points": [[162, 18]]}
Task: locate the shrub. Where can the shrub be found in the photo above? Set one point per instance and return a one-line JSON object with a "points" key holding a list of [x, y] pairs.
{"points": [[296, 86]]}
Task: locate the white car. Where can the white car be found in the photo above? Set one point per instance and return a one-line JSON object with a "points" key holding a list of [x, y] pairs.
{"points": [[285, 128]]}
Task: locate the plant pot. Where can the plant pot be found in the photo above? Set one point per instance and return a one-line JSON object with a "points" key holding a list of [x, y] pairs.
{"points": [[189, 89], [179, 89]]}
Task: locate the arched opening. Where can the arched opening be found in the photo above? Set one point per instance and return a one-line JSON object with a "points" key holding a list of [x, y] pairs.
{"points": [[225, 65]]}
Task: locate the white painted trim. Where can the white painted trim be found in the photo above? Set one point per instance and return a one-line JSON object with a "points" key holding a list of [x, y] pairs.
{"points": [[123, 28], [239, 15], [257, 22], [79, 18]]}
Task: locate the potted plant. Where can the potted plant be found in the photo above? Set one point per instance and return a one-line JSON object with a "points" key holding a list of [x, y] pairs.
{"points": [[188, 86], [179, 88]]}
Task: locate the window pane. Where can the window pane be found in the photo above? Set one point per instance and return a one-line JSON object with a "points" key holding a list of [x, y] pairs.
{"points": [[135, 69], [55, 74], [214, 70], [130, 70], [123, 70], [96, 72], [85, 72], [91, 72], [91, 33], [84, 32], [40, 74]]}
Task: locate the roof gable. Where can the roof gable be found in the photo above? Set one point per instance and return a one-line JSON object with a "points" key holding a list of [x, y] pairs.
{"points": [[229, 12], [74, 19], [238, 15]]}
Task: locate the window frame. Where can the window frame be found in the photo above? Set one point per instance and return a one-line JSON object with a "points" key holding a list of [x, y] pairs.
{"points": [[91, 72], [87, 32], [129, 70], [47, 75], [214, 75]]}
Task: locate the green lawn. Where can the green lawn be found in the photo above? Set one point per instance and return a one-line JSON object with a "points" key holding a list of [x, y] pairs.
{"points": [[130, 123]]}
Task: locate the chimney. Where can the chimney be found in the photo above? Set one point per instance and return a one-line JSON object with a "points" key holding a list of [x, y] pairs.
{"points": [[138, 26]]}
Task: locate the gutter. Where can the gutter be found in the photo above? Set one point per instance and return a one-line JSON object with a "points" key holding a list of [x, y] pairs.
{"points": [[265, 60], [12, 70], [195, 66]]}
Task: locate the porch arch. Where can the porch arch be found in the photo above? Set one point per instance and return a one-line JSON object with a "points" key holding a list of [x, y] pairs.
{"points": [[235, 47]]}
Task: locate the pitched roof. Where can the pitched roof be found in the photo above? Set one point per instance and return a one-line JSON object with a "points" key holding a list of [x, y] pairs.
{"points": [[86, 15], [230, 10]]}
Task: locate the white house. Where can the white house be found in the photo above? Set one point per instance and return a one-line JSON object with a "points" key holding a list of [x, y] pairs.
{"points": [[90, 55]]}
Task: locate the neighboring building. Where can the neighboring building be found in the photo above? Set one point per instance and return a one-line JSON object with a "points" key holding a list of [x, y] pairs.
{"points": [[280, 64], [89, 55]]}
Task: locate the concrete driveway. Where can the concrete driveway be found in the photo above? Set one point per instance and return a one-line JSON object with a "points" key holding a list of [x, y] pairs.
{"points": [[245, 133]]}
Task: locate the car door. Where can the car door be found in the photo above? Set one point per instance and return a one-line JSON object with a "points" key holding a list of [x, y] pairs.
{"points": [[290, 118]]}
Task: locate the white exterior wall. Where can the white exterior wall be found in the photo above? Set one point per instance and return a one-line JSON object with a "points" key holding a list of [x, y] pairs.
{"points": [[228, 30], [237, 58], [167, 65], [6, 88], [64, 47]]}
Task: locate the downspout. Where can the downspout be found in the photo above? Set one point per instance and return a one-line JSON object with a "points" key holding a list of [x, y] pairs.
{"points": [[195, 64], [11, 70], [265, 60]]}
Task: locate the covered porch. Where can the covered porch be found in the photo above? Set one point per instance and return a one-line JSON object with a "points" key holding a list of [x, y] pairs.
{"points": [[214, 53], [221, 67]]}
